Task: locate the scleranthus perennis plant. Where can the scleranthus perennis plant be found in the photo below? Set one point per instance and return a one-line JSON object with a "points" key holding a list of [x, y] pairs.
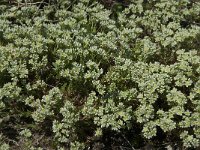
{"points": [[80, 75]]}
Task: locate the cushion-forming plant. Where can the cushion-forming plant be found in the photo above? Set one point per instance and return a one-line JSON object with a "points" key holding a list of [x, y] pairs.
{"points": [[72, 71]]}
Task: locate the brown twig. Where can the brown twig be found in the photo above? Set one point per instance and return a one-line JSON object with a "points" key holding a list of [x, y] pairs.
{"points": [[26, 4], [128, 142]]}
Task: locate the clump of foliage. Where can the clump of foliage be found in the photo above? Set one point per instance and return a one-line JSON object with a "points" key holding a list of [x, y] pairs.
{"points": [[79, 75]]}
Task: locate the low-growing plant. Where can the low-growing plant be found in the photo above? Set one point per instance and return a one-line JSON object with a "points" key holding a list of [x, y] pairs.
{"points": [[79, 75]]}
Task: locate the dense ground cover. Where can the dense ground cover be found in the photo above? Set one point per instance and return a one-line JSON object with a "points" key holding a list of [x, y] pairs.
{"points": [[88, 74]]}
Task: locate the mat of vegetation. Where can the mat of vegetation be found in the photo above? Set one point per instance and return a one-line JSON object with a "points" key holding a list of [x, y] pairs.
{"points": [[88, 74]]}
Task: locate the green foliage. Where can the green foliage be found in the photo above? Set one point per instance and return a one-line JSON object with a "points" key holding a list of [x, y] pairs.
{"points": [[74, 71]]}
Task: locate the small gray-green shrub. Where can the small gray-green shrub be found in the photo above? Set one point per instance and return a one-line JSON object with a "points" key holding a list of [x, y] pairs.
{"points": [[74, 71]]}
